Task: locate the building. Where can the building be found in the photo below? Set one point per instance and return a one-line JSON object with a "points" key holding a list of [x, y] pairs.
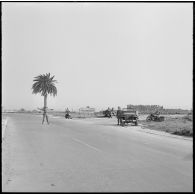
{"points": [[86, 112]]}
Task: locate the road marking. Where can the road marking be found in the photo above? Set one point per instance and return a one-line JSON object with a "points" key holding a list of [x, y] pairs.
{"points": [[87, 144]]}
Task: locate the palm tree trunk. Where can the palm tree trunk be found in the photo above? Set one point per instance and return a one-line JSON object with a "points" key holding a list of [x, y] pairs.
{"points": [[45, 102]]}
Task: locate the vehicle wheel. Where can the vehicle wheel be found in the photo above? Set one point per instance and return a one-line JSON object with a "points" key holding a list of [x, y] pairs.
{"points": [[148, 119], [122, 123], [161, 118]]}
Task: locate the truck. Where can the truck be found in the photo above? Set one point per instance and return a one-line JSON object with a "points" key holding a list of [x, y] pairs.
{"points": [[128, 116]]}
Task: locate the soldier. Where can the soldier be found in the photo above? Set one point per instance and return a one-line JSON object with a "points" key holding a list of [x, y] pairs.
{"points": [[118, 115], [67, 113], [109, 113], [157, 112], [112, 112], [45, 115]]}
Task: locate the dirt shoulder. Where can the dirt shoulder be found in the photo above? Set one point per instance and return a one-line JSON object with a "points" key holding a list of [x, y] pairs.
{"points": [[177, 126]]}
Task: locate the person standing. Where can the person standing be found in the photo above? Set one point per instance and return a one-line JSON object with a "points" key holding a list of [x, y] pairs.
{"points": [[45, 115], [118, 115], [112, 112], [109, 113], [67, 113]]}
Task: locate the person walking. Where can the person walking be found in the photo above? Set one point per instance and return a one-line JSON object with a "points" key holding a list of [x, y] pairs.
{"points": [[118, 115]]}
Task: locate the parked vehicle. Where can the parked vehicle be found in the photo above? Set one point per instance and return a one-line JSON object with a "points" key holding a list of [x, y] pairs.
{"points": [[129, 116], [109, 113], [67, 116], [155, 117]]}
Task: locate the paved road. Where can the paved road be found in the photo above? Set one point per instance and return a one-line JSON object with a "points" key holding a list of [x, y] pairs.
{"points": [[91, 156]]}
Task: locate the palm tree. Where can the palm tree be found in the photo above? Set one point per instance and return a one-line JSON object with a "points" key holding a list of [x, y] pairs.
{"points": [[44, 84]]}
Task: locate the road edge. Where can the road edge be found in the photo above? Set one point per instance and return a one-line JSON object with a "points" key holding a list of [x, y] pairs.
{"points": [[162, 133], [4, 126]]}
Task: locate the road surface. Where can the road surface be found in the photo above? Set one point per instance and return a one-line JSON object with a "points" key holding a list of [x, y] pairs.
{"points": [[91, 155]]}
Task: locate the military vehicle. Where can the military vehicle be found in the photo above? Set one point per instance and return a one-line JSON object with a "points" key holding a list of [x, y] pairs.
{"points": [[155, 117], [128, 115], [109, 113], [68, 116]]}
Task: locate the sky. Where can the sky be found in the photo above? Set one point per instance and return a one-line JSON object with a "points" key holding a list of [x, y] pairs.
{"points": [[102, 54]]}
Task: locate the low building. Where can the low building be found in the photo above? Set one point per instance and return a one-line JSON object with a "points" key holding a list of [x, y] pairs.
{"points": [[87, 112]]}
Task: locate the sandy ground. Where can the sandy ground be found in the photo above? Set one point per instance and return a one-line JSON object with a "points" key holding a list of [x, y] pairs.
{"points": [[92, 155]]}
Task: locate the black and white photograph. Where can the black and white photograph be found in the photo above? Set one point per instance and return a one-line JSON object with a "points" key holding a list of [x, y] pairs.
{"points": [[97, 97]]}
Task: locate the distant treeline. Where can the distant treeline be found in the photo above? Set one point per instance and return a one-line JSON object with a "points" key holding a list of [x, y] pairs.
{"points": [[146, 109]]}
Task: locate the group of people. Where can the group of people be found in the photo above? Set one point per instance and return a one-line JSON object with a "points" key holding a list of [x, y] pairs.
{"points": [[45, 116], [109, 112], [67, 114]]}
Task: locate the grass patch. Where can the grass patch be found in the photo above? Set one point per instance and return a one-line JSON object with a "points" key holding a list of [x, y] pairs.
{"points": [[177, 126]]}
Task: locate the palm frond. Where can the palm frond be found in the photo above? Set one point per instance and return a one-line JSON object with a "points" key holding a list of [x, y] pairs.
{"points": [[44, 84]]}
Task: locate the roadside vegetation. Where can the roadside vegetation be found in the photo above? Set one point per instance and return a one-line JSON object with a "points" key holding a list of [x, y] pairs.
{"points": [[178, 126]]}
